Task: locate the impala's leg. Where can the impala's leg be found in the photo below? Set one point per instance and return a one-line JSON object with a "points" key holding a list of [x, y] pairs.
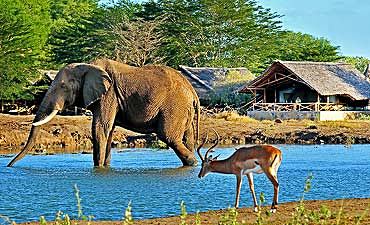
{"points": [[271, 174], [238, 185], [251, 187]]}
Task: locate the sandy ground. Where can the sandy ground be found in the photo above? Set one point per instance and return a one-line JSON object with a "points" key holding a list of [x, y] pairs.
{"points": [[73, 133]]}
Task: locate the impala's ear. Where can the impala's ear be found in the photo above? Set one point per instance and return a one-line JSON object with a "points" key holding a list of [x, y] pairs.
{"points": [[96, 82]]}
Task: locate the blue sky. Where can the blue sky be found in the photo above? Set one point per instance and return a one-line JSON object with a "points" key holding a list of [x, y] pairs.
{"points": [[346, 23]]}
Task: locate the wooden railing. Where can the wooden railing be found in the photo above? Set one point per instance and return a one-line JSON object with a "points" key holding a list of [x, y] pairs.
{"points": [[296, 107]]}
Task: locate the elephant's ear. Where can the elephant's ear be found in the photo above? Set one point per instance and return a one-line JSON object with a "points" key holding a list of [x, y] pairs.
{"points": [[96, 83]]}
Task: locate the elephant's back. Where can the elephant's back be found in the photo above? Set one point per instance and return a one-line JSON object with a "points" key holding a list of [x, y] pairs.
{"points": [[153, 78]]}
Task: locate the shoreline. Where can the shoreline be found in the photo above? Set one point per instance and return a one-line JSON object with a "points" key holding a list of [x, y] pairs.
{"points": [[347, 210], [72, 134]]}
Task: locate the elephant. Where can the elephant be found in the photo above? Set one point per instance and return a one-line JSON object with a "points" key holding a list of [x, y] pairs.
{"points": [[149, 99]]}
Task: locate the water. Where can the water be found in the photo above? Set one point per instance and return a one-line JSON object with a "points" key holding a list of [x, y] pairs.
{"points": [[154, 183]]}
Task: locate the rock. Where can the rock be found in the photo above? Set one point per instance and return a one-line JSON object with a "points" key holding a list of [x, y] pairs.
{"points": [[115, 144], [307, 136], [86, 152], [57, 131], [311, 127], [277, 120]]}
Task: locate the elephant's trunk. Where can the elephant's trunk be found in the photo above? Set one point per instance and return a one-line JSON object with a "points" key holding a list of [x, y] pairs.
{"points": [[40, 118], [30, 143]]}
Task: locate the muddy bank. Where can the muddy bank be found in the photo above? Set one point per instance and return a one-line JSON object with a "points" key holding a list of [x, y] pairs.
{"points": [[73, 133]]}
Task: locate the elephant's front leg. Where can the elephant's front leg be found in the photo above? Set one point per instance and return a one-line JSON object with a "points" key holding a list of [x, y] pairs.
{"points": [[102, 128]]}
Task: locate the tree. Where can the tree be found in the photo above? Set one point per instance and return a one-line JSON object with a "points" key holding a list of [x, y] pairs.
{"points": [[296, 46], [360, 63], [136, 42], [215, 33], [77, 34], [23, 33]]}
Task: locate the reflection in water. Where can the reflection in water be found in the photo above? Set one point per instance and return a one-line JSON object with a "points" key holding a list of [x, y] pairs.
{"points": [[156, 183]]}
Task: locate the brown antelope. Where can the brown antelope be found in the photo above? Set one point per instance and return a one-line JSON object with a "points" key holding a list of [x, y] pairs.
{"points": [[245, 161]]}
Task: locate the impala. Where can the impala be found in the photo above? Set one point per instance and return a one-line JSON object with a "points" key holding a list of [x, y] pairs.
{"points": [[245, 161]]}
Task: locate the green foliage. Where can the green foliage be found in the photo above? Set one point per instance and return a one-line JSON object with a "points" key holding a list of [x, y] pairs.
{"points": [[360, 63], [183, 213], [229, 218], [77, 34], [158, 144], [128, 219], [80, 215], [216, 33], [260, 220], [24, 30], [42, 220], [364, 116], [198, 221], [296, 46], [300, 215]]}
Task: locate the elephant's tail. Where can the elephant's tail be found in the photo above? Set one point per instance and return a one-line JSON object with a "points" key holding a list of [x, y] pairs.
{"points": [[197, 109]]}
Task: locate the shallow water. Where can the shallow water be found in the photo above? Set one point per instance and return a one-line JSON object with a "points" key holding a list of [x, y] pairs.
{"points": [[154, 183]]}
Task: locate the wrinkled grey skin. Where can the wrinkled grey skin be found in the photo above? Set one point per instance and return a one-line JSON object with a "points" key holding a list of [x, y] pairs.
{"points": [[151, 99]]}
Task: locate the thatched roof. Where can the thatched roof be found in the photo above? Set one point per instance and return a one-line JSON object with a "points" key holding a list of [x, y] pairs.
{"points": [[205, 80], [326, 78]]}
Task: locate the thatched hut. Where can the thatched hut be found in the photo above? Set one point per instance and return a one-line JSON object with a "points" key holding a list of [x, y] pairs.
{"points": [[309, 86], [209, 81]]}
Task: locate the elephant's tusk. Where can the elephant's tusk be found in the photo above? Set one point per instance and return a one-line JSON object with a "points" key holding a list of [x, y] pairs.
{"points": [[46, 119]]}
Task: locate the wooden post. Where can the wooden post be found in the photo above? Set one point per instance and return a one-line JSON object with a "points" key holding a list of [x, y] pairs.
{"points": [[275, 95], [318, 102], [264, 95]]}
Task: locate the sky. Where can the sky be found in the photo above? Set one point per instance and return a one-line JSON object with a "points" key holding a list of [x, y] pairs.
{"points": [[345, 23]]}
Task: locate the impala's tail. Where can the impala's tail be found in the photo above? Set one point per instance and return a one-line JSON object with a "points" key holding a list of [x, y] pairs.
{"points": [[275, 163]]}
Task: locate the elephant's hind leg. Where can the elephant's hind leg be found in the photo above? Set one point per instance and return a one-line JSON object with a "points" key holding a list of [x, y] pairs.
{"points": [[187, 157], [175, 128], [189, 139], [173, 136]]}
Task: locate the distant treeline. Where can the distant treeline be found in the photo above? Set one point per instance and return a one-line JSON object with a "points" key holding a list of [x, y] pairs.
{"points": [[44, 34]]}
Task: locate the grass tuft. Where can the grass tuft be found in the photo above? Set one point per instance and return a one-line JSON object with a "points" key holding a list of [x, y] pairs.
{"points": [[234, 116]]}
